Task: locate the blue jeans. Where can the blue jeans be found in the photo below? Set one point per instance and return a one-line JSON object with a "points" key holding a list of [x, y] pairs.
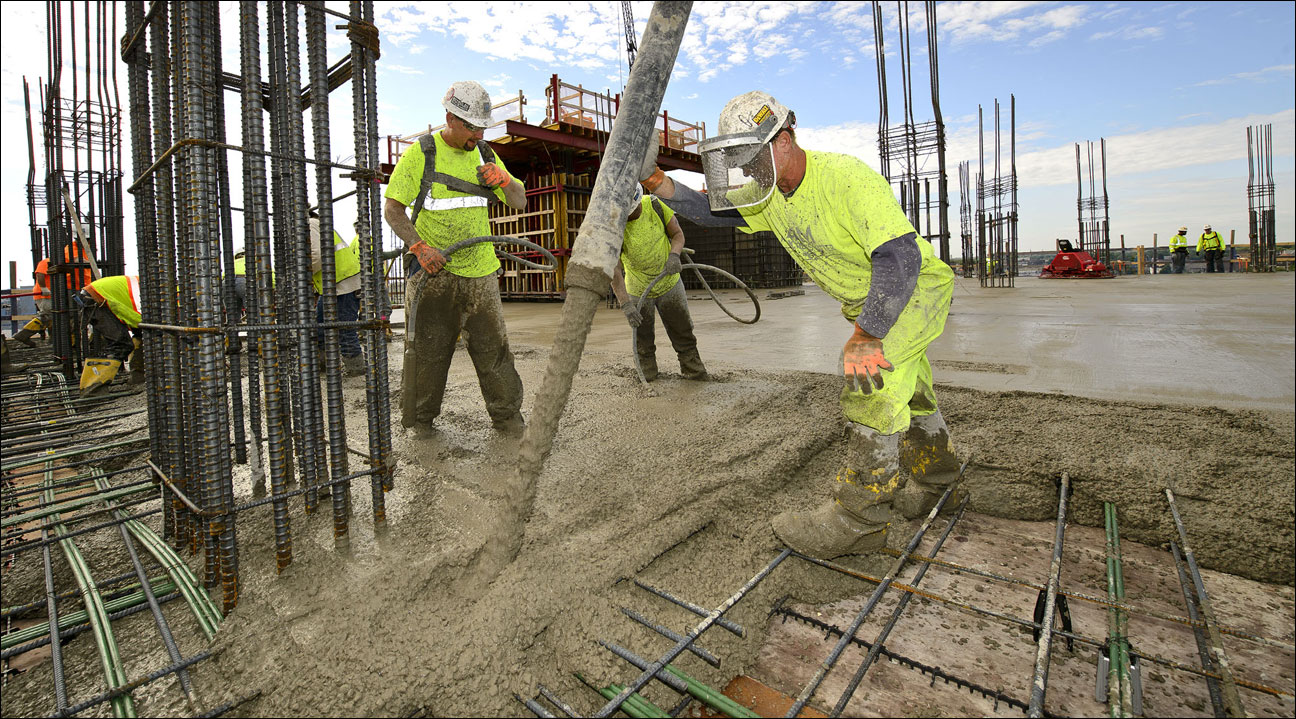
{"points": [[348, 310]]}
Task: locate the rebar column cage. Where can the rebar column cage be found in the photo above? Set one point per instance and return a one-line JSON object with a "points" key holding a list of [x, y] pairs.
{"points": [[967, 252], [1260, 199], [906, 151], [192, 301], [1091, 209], [80, 191], [997, 205]]}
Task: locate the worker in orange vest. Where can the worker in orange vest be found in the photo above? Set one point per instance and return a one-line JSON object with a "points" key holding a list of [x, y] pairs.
{"points": [[44, 305]]}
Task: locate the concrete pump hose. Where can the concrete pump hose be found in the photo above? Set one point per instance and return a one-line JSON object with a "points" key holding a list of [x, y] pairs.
{"points": [[501, 240]]}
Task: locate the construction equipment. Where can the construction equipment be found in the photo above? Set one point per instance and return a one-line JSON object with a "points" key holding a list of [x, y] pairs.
{"points": [[1074, 264]]}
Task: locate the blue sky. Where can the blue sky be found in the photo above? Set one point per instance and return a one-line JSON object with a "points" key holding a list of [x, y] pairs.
{"points": [[1171, 86]]}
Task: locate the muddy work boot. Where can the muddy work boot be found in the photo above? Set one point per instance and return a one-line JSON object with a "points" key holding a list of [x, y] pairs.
{"points": [[927, 456], [513, 426], [353, 366], [691, 366], [25, 334], [855, 521], [649, 366]]}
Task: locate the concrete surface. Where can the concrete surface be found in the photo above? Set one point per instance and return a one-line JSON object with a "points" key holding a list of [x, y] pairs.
{"points": [[1222, 340]]}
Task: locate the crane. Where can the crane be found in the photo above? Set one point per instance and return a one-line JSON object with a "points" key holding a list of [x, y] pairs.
{"points": [[629, 31]]}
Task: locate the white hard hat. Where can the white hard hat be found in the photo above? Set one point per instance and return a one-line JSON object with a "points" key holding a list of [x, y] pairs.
{"points": [[741, 150], [1183, 229], [754, 111], [1206, 226], [638, 200], [469, 102]]}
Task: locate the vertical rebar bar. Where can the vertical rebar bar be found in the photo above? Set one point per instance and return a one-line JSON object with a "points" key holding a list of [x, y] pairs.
{"points": [[1039, 684]]}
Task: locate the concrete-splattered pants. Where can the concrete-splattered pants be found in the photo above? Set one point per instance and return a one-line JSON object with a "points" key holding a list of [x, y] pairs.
{"points": [[437, 308], [673, 307], [1177, 260]]}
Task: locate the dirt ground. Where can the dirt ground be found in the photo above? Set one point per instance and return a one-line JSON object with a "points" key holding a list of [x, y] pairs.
{"points": [[675, 488]]}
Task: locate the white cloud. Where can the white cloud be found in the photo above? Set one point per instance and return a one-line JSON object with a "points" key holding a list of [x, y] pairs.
{"points": [[1257, 75], [964, 22], [402, 69]]}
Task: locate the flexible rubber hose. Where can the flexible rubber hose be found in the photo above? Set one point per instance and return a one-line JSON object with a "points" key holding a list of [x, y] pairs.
{"points": [[501, 240]]}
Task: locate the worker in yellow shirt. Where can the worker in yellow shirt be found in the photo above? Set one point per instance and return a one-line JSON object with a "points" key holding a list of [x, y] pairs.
{"points": [[447, 180], [841, 223], [1211, 246], [111, 306], [652, 244], [1179, 251]]}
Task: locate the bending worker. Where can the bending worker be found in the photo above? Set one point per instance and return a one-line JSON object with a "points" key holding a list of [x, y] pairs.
{"points": [[447, 179], [1211, 245], [840, 221], [1179, 251], [346, 262], [111, 306], [652, 244], [44, 305]]}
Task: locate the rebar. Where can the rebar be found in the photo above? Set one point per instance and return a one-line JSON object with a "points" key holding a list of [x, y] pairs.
{"points": [[1261, 199], [1203, 649], [732, 626], [701, 653], [1092, 213], [1039, 683], [996, 213]]}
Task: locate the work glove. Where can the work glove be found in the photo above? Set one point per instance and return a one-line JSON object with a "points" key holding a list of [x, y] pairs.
{"points": [[492, 175], [863, 362], [431, 258], [631, 310], [673, 266]]}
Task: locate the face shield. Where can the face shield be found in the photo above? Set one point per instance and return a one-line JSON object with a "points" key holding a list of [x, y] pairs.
{"points": [[739, 168]]}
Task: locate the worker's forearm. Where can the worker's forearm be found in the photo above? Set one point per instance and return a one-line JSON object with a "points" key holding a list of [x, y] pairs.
{"points": [[618, 285], [394, 213], [515, 195], [677, 241], [896, 264], [690, 203]]}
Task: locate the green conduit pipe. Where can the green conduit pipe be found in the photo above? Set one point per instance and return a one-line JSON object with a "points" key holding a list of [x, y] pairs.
{"points": [[71, 504], [66, 621], [30, 461], [713, 698], [109, 656]]}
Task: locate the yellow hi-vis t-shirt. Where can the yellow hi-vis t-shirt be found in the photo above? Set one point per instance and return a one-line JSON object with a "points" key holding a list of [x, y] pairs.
{"points": [[838, 216], [449, 216], [644, 250]]}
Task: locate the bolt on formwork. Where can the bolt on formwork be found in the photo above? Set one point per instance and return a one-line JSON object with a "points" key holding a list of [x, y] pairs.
{"points": [[75, 208], [1260, 199], [192, 299], [997, 204], [907, 150], [1091, 208], [967, 260]]}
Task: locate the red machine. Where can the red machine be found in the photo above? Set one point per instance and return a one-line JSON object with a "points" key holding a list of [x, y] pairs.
{"points": [[1075, 264]]}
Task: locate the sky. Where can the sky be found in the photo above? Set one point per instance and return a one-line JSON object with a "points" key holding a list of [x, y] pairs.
{"points": [[1171, 87]]}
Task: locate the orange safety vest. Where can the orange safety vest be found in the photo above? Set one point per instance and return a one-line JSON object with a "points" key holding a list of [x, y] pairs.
{"points": [[42, 280]]}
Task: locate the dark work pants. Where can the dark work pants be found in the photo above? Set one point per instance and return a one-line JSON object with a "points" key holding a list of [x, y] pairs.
{"points": [[1177, 260], [673, 308], [437, 308], [112, 337], [1214, 260], [348, 310]]}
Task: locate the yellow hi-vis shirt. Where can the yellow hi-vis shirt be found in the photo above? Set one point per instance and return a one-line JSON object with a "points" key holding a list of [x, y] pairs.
{"points": [[122, 293], [838, 216], [1178, 242], [644, 250], [449, 216], [1210, 241]]}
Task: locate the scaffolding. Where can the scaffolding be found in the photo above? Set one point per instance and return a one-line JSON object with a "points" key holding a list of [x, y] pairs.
{"points": [[75, 206], [997, 205], [1091, 209], [906, 151], [1260, 199]]}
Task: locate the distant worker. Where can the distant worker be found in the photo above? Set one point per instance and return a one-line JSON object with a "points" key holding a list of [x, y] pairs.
{"points": [[346, 263], [652, 244], [111, 306], [840, 221], [1179, 251], [1211, 245], [44, 305], [447, 179]]}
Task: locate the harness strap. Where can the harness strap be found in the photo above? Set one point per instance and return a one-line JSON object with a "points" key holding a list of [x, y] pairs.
{"points": [[430, 175]]}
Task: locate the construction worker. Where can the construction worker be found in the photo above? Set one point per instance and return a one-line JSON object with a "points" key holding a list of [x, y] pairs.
{"points": [[1211, 245], [1179, 251], [840, 221], [652, 244], [111, 306], [346, 262], [446, 180], [44, 305]]}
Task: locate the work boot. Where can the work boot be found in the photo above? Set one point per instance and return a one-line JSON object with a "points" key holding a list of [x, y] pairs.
{"points": [[353, 366], [691, 365], [513, 426], [24, 336], [855, 521], [5, 365], [649, 366], [927, 456]]}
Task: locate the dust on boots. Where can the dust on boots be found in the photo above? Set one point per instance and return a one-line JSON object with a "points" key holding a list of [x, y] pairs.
{"points": [[856, 519], [927, 457]]}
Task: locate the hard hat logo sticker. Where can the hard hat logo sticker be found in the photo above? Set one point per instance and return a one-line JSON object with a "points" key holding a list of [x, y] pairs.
{"points": [[761, 114], [456, 101]]}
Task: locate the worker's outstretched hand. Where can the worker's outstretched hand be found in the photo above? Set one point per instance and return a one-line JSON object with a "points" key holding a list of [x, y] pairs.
{"points": [[492, 175], [673, 265], [430, 257], [631, 309], [863, 361]]}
